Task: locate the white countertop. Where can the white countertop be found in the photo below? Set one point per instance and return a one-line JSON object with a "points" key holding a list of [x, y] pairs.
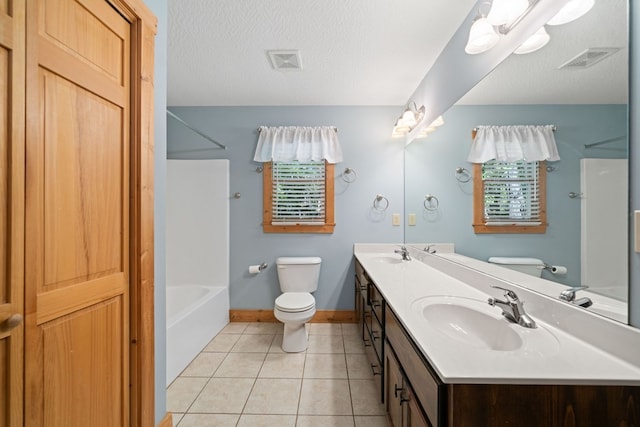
{"points": [[551, 354]]}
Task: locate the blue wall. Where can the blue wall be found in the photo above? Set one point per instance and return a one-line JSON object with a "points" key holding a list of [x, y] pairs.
{"points": [[634, 154], [364, 133], [430, 168], [159, 8]]}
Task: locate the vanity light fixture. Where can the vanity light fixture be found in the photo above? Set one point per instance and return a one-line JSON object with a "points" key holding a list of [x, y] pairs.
{"points": [[537, 41], [571, 11], [504, 15], [408, 120]]}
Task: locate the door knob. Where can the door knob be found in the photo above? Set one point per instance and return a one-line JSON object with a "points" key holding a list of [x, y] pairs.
{"points": [[11, 322]]}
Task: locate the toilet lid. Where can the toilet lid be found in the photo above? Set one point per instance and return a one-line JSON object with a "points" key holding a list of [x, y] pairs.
{"points": [[293, 302]]}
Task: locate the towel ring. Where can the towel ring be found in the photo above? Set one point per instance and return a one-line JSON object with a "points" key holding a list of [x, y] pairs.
{"points": [[429, 203], [379, 201], [349, 175], [462, 175]]}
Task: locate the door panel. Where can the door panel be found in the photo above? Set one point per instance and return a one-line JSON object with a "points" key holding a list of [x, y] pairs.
{"points": [[12, 102], [83, 186], [83, 350], [77, 216]]}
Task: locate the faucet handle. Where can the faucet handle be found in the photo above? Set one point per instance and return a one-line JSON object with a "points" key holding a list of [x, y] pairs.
{"points": [[570, 294], [508, 293]]}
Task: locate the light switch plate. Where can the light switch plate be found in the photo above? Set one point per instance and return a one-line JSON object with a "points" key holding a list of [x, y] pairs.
{"points": [[412, 219], [636, 228], [395, 219]]}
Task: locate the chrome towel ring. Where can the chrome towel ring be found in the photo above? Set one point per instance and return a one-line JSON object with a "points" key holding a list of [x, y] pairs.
{"points": [[380, 203], [462, 175], [349, 175], [431, 202]]}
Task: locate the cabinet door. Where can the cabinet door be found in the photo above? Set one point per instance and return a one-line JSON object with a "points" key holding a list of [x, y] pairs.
{"points": [[393, 387], [413, 416]]}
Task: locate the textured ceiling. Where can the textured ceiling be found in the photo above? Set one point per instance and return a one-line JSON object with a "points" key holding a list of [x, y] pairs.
{"points": [[370, 52], [354, 52]]}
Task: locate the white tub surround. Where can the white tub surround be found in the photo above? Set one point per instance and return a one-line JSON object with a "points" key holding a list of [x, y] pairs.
{"points": [[569, 346], [197, 261], [195, 314]]}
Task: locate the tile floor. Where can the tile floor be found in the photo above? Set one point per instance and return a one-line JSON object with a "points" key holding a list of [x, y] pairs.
{"points": [[243, 378]]}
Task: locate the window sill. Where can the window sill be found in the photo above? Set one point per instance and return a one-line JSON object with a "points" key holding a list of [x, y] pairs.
{"points": [[509, 229], [299, 228]]}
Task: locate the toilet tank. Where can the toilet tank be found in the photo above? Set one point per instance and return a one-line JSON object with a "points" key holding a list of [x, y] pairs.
{"points": [[531, 266], [298, 274]]}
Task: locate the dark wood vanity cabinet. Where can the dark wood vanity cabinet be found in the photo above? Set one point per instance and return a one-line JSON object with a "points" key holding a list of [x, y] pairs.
{"points": [[415, 396], [370, 313]]}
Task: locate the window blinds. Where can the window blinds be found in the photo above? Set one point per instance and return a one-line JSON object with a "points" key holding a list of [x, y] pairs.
{"points": [[511, 193], [298, 193]]}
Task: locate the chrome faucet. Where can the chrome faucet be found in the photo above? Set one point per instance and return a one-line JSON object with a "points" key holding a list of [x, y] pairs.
{"points": [[404, 252], [569, 295], [512, 308]]}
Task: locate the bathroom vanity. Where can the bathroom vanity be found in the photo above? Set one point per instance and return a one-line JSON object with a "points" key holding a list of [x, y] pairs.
{"points": [[442, 356]]}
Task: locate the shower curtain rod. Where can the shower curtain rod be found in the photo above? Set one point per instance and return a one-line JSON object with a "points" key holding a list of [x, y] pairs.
{"points": [[334, 128], [606, 141], [475, 129], [188, 126]]}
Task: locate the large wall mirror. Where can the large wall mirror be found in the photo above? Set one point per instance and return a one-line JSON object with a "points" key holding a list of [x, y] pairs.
{"points": [[587, 194]]}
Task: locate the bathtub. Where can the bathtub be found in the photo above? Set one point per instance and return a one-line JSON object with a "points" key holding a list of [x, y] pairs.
{"points": [[195, 314]]}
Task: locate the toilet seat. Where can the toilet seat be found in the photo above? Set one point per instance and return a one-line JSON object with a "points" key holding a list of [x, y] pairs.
{"points": [[295, 302]]}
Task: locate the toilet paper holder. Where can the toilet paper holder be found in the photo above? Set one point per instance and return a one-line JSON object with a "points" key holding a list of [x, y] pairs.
{"points": [[256, 269], [555, 269]]}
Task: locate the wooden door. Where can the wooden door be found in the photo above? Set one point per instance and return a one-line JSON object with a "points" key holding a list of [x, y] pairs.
{"points": [[12, 57], [77, 214]]}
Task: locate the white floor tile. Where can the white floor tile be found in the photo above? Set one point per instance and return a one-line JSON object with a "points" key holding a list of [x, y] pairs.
{"points": [[253, 344], [325, 344], [222, 343], [325, 397], [371, 421], [240, 365], [325, 329], [223, 396], [234, 328], [324, 421], [248, 420], [209, 420], [182, 392], [274, 396], [262, 328], [204, 365], [283, 365], [325, 366], [365, 398]]}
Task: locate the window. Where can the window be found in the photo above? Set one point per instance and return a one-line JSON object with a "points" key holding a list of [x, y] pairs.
{"points": [[298, 197], [509, 197]]}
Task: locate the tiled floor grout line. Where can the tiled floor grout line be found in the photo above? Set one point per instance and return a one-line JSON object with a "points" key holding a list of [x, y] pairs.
{"points": [[322, 348]]}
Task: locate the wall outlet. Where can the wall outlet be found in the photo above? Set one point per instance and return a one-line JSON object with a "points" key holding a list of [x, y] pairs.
{"points": [[412, 219], [395, 219]]}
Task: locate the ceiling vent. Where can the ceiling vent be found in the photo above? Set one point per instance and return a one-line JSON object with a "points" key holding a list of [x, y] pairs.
{"points": [[285, 60], [588, 58]]}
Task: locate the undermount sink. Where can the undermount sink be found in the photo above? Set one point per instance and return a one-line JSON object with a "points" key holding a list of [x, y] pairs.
{"points": [[388, 259], [475, 324]]}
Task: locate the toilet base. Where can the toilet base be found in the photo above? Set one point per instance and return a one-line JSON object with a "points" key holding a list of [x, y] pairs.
{"points": [[295, 338]]}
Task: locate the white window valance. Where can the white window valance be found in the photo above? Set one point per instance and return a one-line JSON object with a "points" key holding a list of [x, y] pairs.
{"points": [[301, 143], [513, 143]]}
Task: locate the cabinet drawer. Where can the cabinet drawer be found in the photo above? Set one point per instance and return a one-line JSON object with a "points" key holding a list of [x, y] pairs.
{"points": [[361, 276], [377, 302], [425, 385], [377, 337], [374, 361]]}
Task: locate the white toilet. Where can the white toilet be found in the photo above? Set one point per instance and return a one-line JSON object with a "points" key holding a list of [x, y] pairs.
{"points": [[532, 266], [298, 277]]}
